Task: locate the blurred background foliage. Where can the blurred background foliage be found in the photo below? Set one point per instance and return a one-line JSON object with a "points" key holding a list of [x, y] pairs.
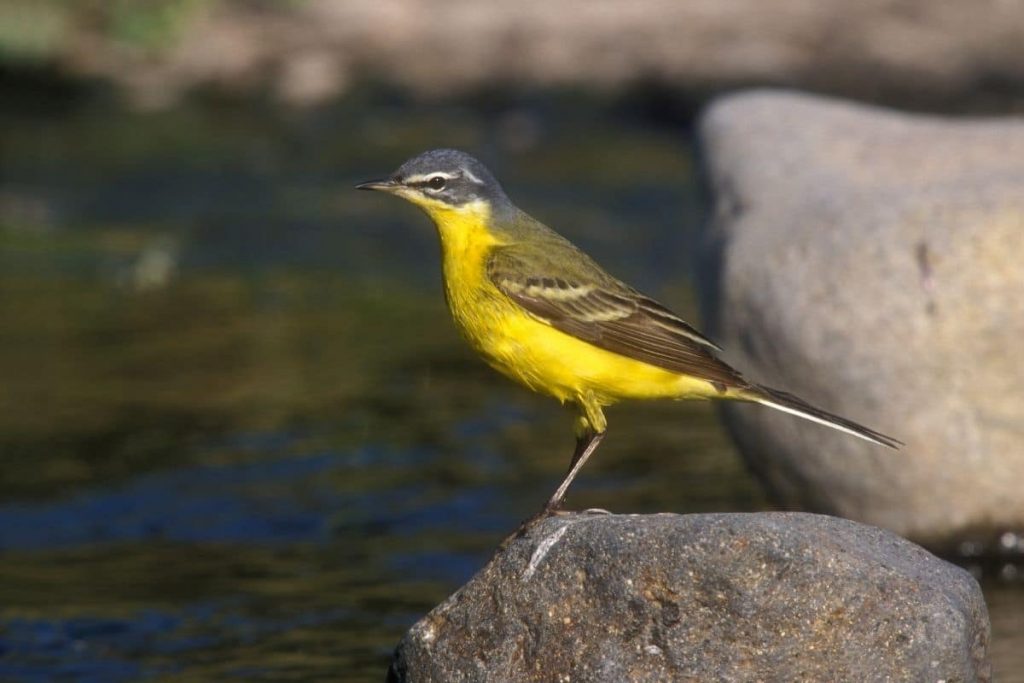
{"points": [[241, 438], [38, 32]]}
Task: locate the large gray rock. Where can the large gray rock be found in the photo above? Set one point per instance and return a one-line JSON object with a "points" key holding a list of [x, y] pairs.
{"points": [[726, 597], [873, 263]]}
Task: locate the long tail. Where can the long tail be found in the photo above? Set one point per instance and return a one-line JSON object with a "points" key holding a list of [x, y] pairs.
{"points": [[788, 403]]}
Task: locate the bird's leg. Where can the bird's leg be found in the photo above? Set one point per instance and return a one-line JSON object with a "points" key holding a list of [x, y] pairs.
{"points": [[590, 428], [586, 444]]}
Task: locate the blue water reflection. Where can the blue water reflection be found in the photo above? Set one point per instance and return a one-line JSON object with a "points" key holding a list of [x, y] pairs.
{"points": [[196, 504]]}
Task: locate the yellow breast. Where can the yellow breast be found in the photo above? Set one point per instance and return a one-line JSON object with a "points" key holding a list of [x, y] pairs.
{"points": [[480, 310], [524, 348]]}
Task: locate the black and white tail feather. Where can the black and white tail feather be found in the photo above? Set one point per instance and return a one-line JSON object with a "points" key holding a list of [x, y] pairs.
{"points": [[788, 403]]}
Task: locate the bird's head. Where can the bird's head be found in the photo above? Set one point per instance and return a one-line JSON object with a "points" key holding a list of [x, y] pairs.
{"points": [[441, 181]]}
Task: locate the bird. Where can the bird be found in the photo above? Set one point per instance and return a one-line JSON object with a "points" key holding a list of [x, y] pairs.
{"points": [[545, 314]]}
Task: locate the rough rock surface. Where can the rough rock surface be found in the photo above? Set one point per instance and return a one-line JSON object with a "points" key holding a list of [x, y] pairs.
{"points": [[727, 597], [871, 262]]}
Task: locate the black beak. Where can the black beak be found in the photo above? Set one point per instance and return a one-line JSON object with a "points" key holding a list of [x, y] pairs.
{"points": [[378, 185]]}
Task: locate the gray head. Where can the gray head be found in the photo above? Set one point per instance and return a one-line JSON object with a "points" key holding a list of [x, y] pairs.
{"points": [[441, 175]]}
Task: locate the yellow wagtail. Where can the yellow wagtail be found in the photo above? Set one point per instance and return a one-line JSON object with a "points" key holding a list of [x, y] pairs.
{"points": [[543, 313]]}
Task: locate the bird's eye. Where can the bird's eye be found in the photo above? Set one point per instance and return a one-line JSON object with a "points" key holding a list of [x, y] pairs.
{"points": [[437, 182]]}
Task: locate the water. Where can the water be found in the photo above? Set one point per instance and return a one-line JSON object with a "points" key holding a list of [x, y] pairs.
{"points": [[241, 438]]}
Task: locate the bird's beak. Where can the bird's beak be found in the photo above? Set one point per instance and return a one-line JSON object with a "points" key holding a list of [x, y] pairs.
{"points": [[386, 185]]}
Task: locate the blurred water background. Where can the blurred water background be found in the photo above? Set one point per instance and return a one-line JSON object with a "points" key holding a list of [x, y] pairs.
{"points": [[241, 438]]}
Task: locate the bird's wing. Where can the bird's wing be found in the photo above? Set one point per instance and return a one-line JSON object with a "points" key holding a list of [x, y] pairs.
{"points": [[561, 286]]}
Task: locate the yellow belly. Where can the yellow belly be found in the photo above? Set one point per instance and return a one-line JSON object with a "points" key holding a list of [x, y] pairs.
{"points": [[547, 360], [552, 362], [529, 350]]}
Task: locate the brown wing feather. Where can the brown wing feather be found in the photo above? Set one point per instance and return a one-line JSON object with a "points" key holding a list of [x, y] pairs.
{"points": [[613, 317]]}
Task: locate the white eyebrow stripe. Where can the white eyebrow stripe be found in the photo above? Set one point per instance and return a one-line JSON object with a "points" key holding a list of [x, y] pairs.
{"points": [[423, 177], [469, 174]]}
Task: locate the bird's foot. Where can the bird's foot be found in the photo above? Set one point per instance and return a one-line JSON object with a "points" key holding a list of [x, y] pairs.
{"points": [[532, 521]]}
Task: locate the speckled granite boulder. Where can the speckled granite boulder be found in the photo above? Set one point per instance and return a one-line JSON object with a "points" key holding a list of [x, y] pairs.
{"points": [[725, 597], [873, 263]]}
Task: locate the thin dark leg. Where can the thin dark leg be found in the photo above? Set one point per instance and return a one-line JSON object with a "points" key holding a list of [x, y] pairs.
{"points": [[586, 444]]}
